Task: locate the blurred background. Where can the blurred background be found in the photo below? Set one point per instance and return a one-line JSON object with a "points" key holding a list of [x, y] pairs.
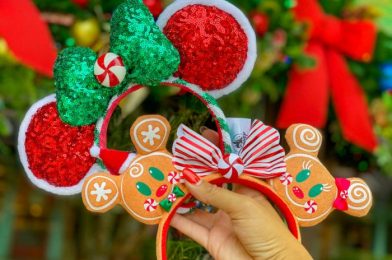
{"points": [[37, 225]]}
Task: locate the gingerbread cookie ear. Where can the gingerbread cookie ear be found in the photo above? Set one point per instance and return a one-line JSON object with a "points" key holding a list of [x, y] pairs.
{"points": [[216, 42], [150, 133], [358, 197], [100, 192], [303, 138]]}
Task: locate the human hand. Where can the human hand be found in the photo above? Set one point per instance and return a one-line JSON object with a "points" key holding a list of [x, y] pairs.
{"points": [[245, 227]]}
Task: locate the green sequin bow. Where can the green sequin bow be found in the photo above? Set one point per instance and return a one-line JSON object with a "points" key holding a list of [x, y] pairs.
{"points": [[148, 56], [167, 203]]}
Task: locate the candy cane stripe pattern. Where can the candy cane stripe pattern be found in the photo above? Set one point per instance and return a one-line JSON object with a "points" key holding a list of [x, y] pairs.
{"points": [[109, 70], [286, 179], [262, 154], [231, 166], [261, 157], [150, 205], [173, 177], [172, 197], [310, 206]]}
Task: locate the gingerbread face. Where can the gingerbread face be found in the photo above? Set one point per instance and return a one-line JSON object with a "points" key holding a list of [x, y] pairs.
{"points": [[308, 187], [149, 186]]}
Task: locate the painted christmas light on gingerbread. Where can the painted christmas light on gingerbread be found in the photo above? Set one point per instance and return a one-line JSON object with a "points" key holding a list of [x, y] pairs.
{"points": [[309, 188]]}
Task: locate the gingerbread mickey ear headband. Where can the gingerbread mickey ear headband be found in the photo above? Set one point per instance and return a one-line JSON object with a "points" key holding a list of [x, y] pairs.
{"points": [[62, 140]]}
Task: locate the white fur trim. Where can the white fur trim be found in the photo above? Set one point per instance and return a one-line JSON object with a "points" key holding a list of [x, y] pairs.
{"points": [[127, 162], [242, 20], [42, 184], [94, 151]]}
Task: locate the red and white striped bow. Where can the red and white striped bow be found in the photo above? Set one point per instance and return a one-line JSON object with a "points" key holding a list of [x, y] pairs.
{"points": [[261, 156]]}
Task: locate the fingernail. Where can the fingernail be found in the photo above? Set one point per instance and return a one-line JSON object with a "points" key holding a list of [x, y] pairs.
{"points": [[191, 177], [203, 128]]}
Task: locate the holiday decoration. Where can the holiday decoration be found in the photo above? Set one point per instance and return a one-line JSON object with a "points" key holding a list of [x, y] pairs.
{"points": [[157, 59], [260, 23], [173, 177], [81, 3], [144, 184], [55, 155], [306, 98], [155, 7], [261, 156], [204, 48], [150, 205], [109, 70], [20, 27], [386, 76], [311, 191], [86, 32], [200, 43]]}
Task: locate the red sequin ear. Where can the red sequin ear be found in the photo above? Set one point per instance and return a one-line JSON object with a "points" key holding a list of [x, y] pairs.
{"points": [[55, 155], [216, 43]]}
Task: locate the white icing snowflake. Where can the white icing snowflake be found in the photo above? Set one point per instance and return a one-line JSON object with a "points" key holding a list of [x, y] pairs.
{"points": [[100, 191], [150, 135]]}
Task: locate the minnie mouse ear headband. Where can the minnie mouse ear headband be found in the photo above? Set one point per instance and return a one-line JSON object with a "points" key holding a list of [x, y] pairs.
{"points": [[58, 131], [217, 53]]}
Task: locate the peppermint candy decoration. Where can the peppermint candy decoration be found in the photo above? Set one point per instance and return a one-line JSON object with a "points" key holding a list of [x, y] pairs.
{"points": [[109, 70], [173, 177], [150, 205], [310, 206], [172, 197], [344, 194], [286, 179], [231, 166]]}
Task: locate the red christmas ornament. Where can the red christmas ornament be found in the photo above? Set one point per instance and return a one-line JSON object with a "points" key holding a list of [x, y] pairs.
{"points": [[260, 22], [155, 7], [81, 3]]}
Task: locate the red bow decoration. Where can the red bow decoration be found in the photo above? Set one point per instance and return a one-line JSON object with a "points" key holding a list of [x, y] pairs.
{"points": [[306, 98], [27, 35], [261, 156], [340, 202]]}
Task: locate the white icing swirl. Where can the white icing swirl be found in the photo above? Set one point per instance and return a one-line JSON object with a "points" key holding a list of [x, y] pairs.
{"points": [[309, 138], [136, 170], [359, 196]]}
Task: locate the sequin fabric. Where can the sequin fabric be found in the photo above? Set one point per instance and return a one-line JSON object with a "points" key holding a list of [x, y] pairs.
{"points": [[148, 55], [80, 98], [56, 152], [212, 45]]}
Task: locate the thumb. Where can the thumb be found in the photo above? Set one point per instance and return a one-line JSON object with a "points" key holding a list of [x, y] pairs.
{"points": [[234, 204]]}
